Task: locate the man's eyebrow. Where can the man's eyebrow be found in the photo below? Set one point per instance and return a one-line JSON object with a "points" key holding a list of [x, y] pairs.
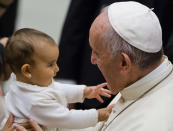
{"points": [[52, 61]]}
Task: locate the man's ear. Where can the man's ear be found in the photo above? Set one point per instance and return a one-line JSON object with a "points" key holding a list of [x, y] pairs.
{"points": [[126, 63], [26, 70]]}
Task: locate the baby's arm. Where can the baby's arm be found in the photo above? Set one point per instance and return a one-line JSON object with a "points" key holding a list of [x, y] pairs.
{"points": [[52, 114], [73, 93], [77, 93]]}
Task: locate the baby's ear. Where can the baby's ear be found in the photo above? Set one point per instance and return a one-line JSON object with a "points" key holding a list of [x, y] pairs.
{"points": [[25, 70]]}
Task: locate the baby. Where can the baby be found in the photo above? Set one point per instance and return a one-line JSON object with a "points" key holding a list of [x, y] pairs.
{"points": [[32, 56]]}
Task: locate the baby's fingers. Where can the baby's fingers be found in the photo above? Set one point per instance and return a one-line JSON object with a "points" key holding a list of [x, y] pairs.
{"points": [[102, 85], [106, 91], [110, 108], [105, 95], [99, 99]]}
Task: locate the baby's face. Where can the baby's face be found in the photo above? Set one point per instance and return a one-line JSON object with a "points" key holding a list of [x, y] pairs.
{"points": [[45, 67]]}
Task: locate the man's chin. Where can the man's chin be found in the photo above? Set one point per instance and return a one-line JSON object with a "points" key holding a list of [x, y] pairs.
{"points": [[113, 90]]}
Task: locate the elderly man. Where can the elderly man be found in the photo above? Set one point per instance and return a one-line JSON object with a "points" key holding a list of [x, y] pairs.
{"points": [[126, 42]]}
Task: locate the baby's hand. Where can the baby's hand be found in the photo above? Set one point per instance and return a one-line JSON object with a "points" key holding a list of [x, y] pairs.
{"points": [[96, 92], [103, 114]]}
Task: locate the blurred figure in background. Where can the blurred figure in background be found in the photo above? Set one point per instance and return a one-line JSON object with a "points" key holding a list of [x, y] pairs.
{"points": [[169, 48], [4, 4], [74, 59], [7, 21], [6, 29]]}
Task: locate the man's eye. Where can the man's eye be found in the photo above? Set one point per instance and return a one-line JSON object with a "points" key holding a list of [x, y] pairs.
{"points": [[50, 65], [96, 54]]}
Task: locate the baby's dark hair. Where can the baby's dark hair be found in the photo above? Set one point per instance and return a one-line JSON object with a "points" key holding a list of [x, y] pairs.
{"points": [[20, 47]]}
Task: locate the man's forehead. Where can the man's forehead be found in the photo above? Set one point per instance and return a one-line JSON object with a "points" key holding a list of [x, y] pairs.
{"points": [[101, 20]]}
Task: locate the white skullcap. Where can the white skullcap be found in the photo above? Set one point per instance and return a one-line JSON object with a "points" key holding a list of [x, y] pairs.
{"points": [[136, 24]]}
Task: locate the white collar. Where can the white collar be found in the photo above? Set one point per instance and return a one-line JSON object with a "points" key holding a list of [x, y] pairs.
{"points": [[29, 87], [147, 82]]}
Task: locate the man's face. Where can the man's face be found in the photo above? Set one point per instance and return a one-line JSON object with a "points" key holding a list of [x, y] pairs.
{"points": [[109, 66]]}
